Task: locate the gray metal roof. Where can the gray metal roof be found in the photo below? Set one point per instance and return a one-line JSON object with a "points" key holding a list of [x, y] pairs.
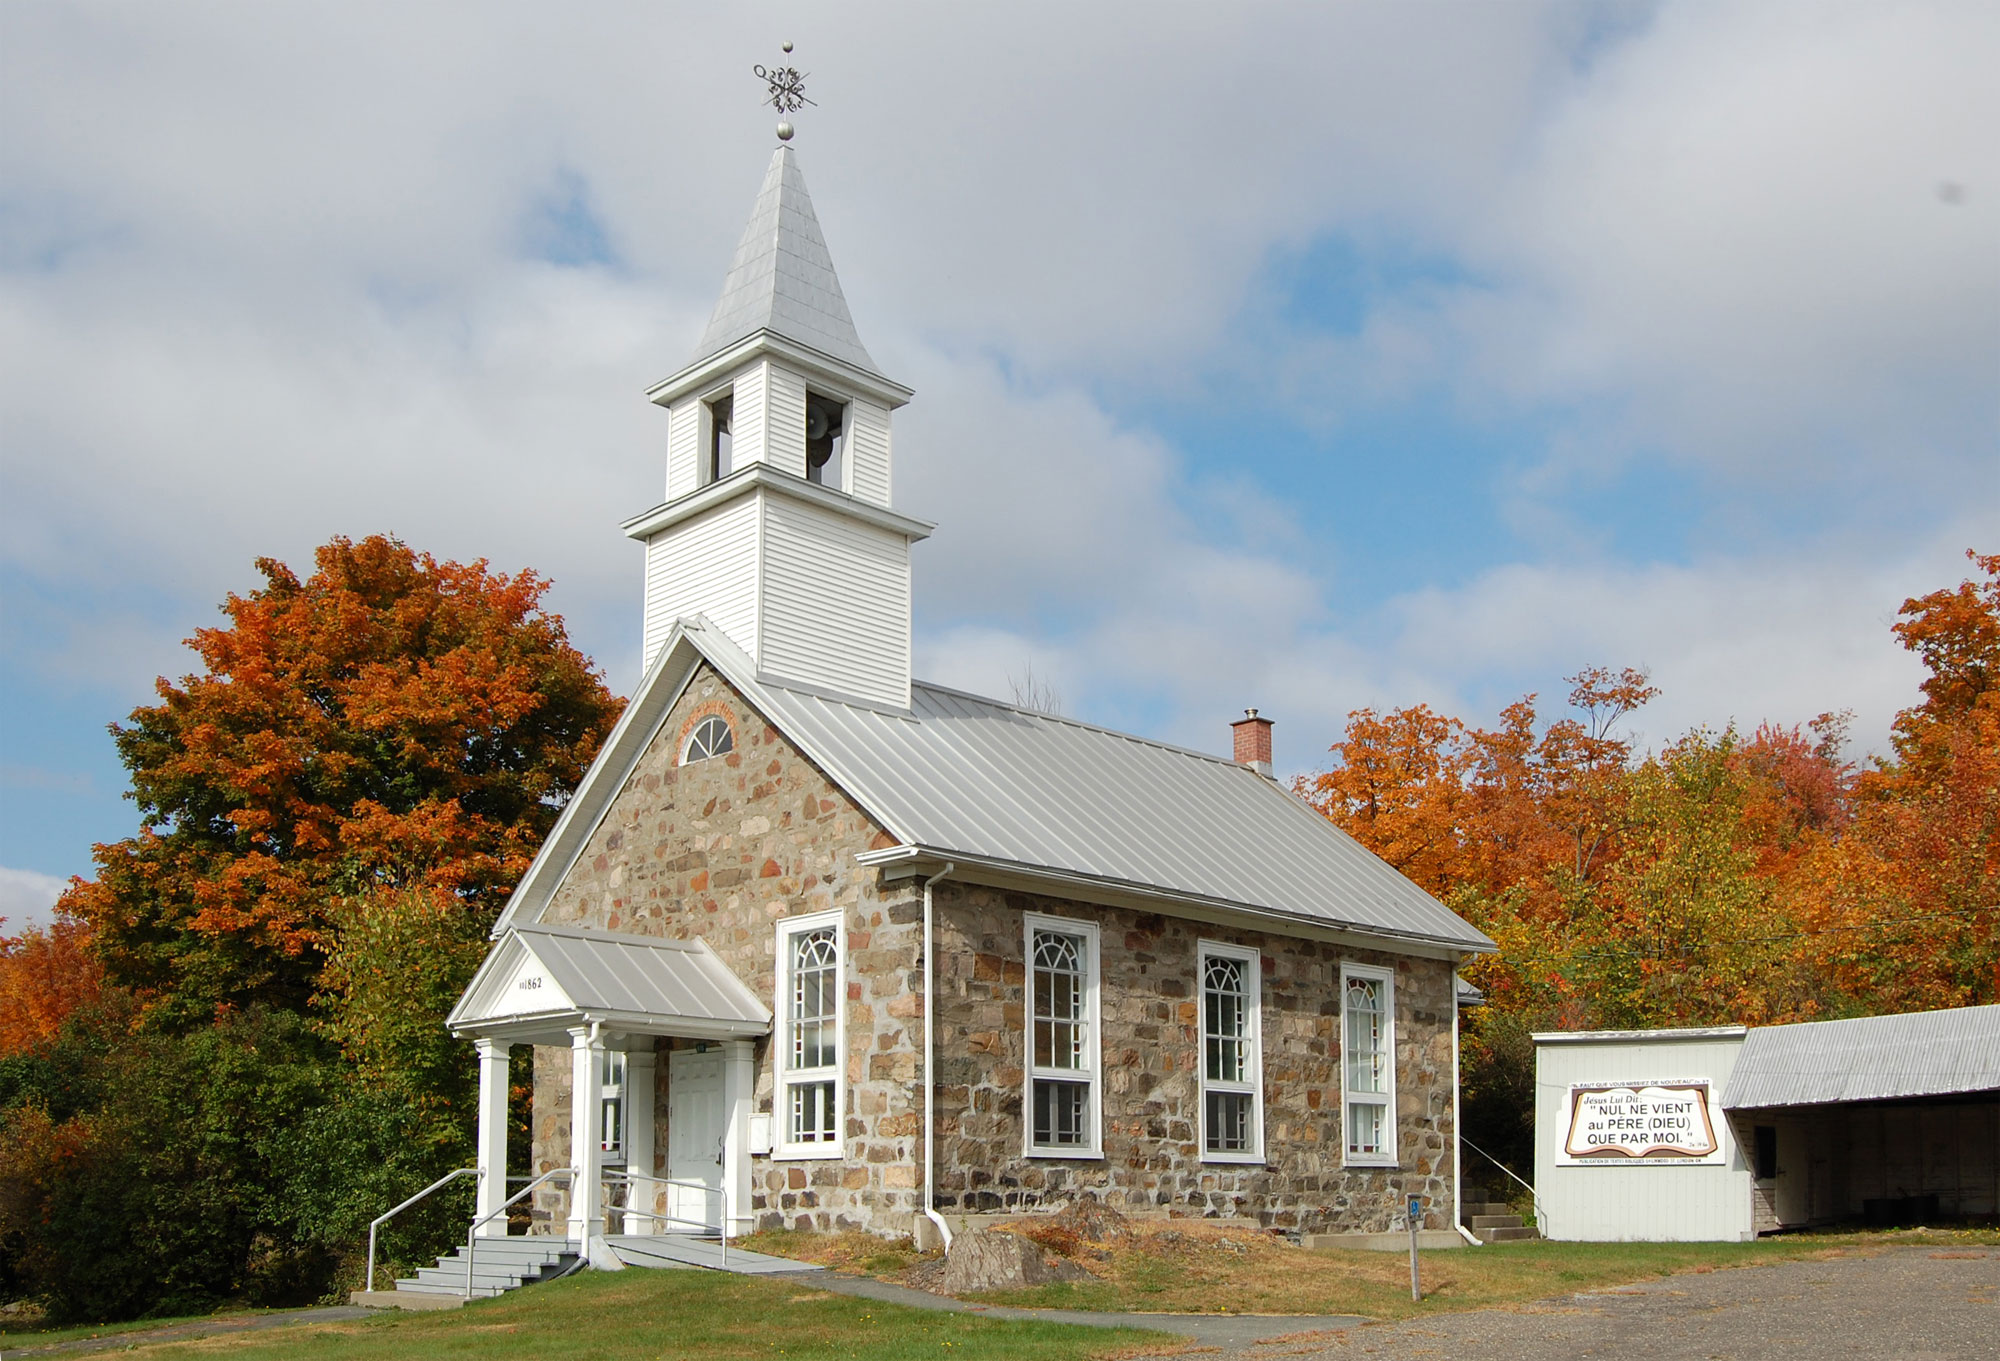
{"points": [[962, 775], [782, 278], [611, 975], [1878, 1058], [957, 776]]}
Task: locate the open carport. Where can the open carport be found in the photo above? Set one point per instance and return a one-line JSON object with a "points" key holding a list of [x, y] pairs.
{"points": [[1726, 1132], [1886, 1120]]}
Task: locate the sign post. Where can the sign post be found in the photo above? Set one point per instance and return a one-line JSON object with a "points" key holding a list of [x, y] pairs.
{"points": [[1416, 1217]]}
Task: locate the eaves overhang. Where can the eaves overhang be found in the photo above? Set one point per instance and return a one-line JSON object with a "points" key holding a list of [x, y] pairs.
{"points": [[814, 363], [1711, 1032], [552, 1027], [763, 477], [918, 860]]}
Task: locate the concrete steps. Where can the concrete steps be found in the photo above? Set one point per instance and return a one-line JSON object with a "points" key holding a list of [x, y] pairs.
{"points": [[498, 1266], [503, 1264], [1493, 1221]]}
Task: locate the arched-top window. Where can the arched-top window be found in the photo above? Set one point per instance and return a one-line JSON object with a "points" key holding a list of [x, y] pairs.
{"points": [[711, 737]]}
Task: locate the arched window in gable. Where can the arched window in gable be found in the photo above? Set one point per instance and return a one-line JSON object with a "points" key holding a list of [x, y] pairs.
{"points": [[711, 737]]}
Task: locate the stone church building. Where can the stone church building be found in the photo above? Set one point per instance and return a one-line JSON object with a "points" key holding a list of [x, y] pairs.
{"points": [[818, 945]]}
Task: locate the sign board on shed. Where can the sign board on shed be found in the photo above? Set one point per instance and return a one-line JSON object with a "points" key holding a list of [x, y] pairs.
{"points": [[1658, 1123]]}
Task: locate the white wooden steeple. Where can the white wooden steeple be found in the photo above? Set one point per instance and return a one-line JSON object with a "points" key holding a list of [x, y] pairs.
{"points": [[778, 524]]}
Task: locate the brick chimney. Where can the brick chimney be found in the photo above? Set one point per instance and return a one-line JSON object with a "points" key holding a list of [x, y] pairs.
{"points": [[1253, 741]]}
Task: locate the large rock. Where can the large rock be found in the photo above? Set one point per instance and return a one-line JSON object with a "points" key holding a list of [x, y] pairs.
{"points": [[985, 1259], [1092, 1221]]}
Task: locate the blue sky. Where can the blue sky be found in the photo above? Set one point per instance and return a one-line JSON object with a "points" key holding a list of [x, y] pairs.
{"points": [[1303, 356]]}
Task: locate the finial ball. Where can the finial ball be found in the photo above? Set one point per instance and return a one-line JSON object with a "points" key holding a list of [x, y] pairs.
{"points": [[784, 132], [788, 47]]}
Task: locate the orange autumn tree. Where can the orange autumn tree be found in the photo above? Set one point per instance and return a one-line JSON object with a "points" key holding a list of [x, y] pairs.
{"points": [[389, 723], [1917, 917], [1493, 810], [45, 974]]}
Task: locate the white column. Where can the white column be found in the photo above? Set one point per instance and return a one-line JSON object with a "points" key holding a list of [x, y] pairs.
{"points": [[739, 1084], [586, 1150], [492, 1147], [640, 1067]]}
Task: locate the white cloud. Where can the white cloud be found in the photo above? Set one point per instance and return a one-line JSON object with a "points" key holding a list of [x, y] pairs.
{"points": [[27, 899], [264, 278], [1732, 227]]}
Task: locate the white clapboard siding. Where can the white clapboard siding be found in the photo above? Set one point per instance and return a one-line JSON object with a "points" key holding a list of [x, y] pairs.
{"points": [[868, 451], [746, 425], [785, 420], [684, 450], [836, 608], [1646, 1202], [707, 565]]}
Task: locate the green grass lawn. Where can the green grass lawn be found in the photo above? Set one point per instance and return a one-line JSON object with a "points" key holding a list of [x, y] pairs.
{"points": [[664, 1316], [1183, 1267]]}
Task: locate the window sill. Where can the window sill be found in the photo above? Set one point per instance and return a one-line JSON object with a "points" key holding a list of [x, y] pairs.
{"points": [[1073, 1154], [1389, 1161], [807, 1153], [1238, 1159]]}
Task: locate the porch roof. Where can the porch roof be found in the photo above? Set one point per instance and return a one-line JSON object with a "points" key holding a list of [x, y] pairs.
{"points": [[539, 981]]}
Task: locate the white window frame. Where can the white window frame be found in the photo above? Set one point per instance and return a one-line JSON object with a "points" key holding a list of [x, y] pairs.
{"points": [[782, 1077], [1253, 983], [1389, 1156], [845, 482], [706, 431], [687, 743], [1093, 1075], [612, 1094]]}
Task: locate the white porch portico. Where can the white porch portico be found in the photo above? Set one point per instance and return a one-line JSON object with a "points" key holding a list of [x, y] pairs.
{"points": [[607, 997]]}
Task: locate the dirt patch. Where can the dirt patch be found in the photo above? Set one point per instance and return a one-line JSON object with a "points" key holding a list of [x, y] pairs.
{"points": [[860, 1253]]}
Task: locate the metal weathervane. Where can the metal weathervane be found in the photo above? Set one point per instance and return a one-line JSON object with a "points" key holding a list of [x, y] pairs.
{"points": [[788, 92]]}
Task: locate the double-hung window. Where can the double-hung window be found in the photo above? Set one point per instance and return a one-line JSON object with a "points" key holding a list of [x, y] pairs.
{"points": [[1232, 1068], [1368, 1065], [1063, 1087], [810, 1014]]}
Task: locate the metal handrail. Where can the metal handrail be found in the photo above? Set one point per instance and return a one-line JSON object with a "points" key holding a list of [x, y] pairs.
{"points": [[1540, 1215], [380, 1220], [720, 1192], [472, 1234]]}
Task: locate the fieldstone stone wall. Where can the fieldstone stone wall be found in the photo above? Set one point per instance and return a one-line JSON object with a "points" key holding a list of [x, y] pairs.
{"points": [[1149, 996], [724, 849]]}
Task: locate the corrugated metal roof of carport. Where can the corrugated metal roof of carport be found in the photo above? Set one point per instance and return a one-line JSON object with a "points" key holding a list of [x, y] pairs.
{"points": [[1875, 1058]]}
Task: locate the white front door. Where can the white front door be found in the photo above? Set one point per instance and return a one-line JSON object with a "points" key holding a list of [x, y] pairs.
{"points": [[696, 1124]]}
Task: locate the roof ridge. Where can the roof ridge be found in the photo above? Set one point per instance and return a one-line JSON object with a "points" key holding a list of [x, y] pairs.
{"points": [[1880, 1017], [1081, 723], [594, 933]]}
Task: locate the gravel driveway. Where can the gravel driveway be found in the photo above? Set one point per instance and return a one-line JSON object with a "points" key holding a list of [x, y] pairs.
{"points": [[1920, 1304]]}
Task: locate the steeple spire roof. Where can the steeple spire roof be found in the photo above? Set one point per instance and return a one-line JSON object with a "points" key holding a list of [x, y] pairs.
{"points": [[782, 278]]}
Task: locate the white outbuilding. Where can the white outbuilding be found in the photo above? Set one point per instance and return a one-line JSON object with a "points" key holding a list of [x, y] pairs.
{"points": [[1726, 1132]]}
